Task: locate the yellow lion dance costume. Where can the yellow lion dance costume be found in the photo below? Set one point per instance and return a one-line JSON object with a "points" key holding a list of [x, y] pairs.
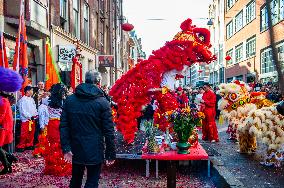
{"points": [[253, 117]]}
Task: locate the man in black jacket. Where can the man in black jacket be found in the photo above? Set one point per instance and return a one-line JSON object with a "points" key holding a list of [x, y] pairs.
{"points": [[86, 126]]}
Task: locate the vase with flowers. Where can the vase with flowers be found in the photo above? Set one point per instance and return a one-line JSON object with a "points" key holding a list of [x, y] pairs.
{"points": [[183, 122]]}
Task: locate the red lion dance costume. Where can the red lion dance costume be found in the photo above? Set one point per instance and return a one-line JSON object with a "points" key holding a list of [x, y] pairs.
{"points": [[131, 91]]}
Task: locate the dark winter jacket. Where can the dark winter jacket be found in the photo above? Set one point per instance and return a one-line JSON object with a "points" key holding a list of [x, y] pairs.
{"points": [[86, 126]]}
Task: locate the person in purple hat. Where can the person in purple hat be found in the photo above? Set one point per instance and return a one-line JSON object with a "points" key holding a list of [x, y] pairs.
{"points": [[10, 81]]}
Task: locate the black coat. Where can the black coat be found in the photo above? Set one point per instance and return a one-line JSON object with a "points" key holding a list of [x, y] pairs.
{"points": [[86, 126]]}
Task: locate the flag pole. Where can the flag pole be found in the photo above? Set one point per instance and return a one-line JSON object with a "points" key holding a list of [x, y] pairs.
{"points": [[2, 46], [22, 3]]}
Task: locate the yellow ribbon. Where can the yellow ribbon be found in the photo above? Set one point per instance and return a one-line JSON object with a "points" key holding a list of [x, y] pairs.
{"points": [[30, 125], [164, 90], [221, 120], [44, 131], [54, 119]]}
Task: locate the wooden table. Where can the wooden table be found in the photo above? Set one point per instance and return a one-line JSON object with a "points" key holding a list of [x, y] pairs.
{"points": [[196, 153]]}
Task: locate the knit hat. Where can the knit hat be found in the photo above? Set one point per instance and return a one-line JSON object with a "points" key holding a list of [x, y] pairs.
{"points": [[10, 81]]}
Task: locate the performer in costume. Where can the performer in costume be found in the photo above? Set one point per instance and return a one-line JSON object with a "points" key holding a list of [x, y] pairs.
{"points": [[209, 128], [54, 161], [182, 98], [10, 81], [28, 115]]}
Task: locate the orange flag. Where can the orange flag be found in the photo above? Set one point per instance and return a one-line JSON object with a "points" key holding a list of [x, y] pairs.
{"points": [[52, 74], [21, 56], [3, 55]]}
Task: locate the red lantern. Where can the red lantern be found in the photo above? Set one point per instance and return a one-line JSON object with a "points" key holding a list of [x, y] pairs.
{"points": [[228, 58], [200, 71], [127, 27]]}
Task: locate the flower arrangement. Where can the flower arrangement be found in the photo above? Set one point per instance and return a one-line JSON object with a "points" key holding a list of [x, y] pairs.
{"points": [[184, 121]]}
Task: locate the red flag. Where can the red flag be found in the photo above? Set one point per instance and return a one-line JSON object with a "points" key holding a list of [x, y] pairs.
{"points": [[21, 56], [3, 55]]}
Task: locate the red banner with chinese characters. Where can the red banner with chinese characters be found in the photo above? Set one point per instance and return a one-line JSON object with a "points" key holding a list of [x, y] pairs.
{"points": [[76, 73]]}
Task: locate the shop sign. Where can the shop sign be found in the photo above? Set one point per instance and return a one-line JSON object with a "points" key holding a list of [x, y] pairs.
{"points": [[106, 60], [66, 53]]}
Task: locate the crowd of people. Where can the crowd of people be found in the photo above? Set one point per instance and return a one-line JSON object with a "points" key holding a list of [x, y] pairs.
{"points": [[67, 118], [55, 123]]}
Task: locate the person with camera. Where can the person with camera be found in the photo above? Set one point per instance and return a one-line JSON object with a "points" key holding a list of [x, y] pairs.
{"points": [[28, 115]]}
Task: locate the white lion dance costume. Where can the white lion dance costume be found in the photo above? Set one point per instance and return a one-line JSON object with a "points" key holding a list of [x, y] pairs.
{"points": [[253, 118]]}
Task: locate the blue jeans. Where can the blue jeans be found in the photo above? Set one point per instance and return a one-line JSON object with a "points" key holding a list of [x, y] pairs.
{"points": [[93, 175]]}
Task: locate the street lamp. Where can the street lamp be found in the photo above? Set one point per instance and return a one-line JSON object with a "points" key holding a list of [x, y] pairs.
{"points": [[210, 22]]}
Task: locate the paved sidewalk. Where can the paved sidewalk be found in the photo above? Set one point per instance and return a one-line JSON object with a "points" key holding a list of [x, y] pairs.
{"points": [[240, 170]]}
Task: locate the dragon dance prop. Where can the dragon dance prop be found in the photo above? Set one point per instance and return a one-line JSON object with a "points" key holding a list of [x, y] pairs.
{"points": [[155, 76]]}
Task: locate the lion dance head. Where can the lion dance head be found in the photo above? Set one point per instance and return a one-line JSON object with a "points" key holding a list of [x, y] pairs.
{"points": [[234, 95]]}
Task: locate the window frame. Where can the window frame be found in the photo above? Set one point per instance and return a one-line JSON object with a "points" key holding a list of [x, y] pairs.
{"points": [[86, 18], [230, 53], [249, 11], [229, 27], [76, 19], [241, 16], [248, 48], [231, 5], [241, 48]]}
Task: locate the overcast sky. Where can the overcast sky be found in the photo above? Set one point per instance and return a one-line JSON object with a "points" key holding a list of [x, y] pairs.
{"points": [[154, 34]]}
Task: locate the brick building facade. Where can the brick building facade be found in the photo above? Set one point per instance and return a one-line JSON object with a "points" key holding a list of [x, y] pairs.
{"points": [[92, 25], [247, 39]]}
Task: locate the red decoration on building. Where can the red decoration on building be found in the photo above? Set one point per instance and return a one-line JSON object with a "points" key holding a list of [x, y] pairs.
{"points": [[228, 58], [200, 71], [76, 73], [127, 27]]}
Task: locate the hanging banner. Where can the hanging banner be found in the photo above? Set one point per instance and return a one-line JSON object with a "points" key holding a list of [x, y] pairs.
{"points": [[76, 73], [106, 60], [3, 54]]}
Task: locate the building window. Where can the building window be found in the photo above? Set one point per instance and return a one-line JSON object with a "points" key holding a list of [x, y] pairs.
{"points": [[264, 19], [102, 6], [281, 8], [63, 14], [229, 29], [38, 13], [76, 18], [102, 42], [230, 4], [230, 53], [239, 53], [280, 50], [221, 75], [277, 11], [86, 23], [250, 12], [250, 47], [239, 21], [267, 64], [221, 54]]}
